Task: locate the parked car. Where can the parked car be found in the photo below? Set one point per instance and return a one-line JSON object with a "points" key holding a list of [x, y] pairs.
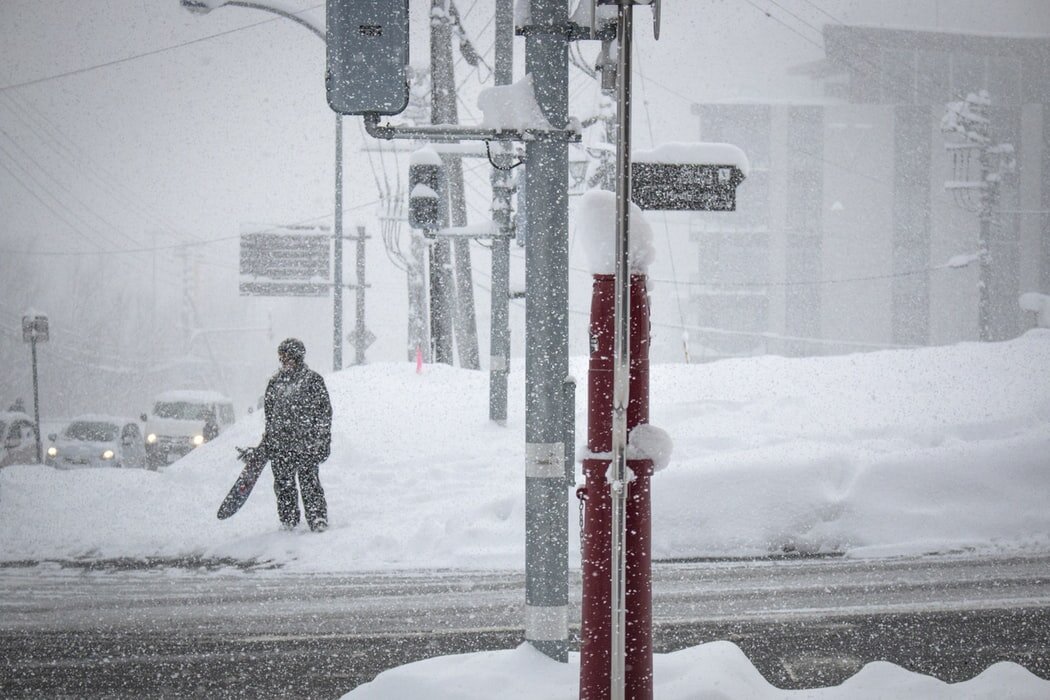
{"points": [[182, 420], [18, 436], [98, 441]]}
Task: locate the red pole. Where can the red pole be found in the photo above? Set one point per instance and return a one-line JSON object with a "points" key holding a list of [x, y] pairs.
{"points": [[595, 546]]}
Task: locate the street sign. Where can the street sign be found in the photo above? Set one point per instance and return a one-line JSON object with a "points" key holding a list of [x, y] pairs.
{"points": [[300, 253], [367, 338], [688, 176], [285, 260], [367, 56], [34, 329], [685, 186]]}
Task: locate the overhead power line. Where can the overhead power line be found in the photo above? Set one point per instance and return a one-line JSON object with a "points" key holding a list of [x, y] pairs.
{"points": [[126, 59]]}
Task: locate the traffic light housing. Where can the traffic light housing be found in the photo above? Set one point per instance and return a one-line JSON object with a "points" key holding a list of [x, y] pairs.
{"points": [[426, 184], [367, 56]]}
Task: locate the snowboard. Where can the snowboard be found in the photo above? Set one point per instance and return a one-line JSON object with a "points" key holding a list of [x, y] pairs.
{"points": [[254, 462]]}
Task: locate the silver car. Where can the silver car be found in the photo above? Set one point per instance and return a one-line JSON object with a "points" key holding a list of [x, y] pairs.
{"points": [[98, 441]]}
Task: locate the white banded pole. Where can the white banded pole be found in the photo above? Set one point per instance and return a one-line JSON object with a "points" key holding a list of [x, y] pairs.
{"points": [[621, 352]]}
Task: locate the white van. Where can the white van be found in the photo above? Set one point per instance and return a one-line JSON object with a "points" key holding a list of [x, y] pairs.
{"points": [[180, 420]]}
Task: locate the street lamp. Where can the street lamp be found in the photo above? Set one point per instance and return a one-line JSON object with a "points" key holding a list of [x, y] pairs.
{"points": [[282, 9], [578, 165]]}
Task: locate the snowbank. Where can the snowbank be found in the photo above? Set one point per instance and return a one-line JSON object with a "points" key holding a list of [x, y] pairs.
{"points": [[715, 671], [877, 454]]}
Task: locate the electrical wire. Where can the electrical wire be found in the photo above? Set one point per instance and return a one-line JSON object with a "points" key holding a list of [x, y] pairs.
{"points": [[135, 57], [667, 229]]}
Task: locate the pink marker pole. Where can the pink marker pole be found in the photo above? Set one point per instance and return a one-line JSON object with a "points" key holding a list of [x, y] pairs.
{"points": [[419, 360]]}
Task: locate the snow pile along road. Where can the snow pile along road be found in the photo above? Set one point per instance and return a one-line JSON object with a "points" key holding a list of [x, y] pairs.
{"points": [[714, 671], [873, 454]]}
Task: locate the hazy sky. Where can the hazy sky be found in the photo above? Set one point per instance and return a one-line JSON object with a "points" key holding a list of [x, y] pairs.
{"points": [[128, 127]]}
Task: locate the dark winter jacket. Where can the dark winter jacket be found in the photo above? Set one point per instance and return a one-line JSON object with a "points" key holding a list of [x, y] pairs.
{"points": [[298, 415]]}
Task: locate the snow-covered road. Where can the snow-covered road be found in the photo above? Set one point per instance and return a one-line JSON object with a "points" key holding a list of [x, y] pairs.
{"points": [[802, 622]]}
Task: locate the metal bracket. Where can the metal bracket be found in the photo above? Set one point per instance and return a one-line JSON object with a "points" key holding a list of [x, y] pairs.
{"points": [[486, 231], [655, 4], [455, 132], [570, 30]]}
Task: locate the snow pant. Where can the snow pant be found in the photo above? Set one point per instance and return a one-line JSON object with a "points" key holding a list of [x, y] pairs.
{"points": [[286, 468]]}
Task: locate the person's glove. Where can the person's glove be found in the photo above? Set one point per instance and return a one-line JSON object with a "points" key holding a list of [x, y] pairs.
{"points": [[321, 449]]}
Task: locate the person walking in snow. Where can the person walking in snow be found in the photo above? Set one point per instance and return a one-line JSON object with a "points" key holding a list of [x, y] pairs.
{"points": [[298, 436]]}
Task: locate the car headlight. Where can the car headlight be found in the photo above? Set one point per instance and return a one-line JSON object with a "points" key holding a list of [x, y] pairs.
{"points": [[151, 438], [108, 454], [52, 451], [198, 440]]}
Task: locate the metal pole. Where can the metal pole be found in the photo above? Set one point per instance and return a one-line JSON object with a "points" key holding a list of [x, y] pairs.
{"points": [[984, 293], [546, 341], [36, 405], [442, 110], [418, 334], [359, 327], [621, 351], [502, 187], [337, 252], [464, 317], [441, 291]]}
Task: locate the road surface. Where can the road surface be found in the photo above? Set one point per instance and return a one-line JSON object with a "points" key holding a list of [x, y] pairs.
{"points": [[136, 629]]}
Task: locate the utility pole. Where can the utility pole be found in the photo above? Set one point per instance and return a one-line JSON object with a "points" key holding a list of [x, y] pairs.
{"points": [[35, 329], [550, 409], [444, 111], [546, 340], [362, 337], [502, 189], [418, 335], [969, 118], [337, 252], [441, 89]]}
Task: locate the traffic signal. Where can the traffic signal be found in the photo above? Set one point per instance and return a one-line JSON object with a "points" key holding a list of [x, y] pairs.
{"points": [[367, 56]]}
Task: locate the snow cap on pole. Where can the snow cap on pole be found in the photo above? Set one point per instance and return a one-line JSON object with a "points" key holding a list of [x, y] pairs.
{"points": [[596, 228]]}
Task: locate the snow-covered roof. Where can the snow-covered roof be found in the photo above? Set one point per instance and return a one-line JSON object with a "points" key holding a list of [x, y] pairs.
{"points": [[933, 33], [192, 396], [103, 418]]}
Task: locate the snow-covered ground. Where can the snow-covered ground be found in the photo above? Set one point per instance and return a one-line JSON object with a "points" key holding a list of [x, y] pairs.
{"points": [[715, 671], [878, 454], [894, 452]]}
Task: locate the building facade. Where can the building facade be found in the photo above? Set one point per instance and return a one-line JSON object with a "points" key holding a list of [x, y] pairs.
{"points": [[845, 236]]}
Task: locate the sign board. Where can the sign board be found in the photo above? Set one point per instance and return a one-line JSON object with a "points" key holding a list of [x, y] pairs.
{"points": [[685, 186], [34, 329], [285, 260], [367, 338], [367, 56]]}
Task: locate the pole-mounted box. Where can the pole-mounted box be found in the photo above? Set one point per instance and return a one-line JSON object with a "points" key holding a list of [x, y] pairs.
{"points": [[367, 56]]}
